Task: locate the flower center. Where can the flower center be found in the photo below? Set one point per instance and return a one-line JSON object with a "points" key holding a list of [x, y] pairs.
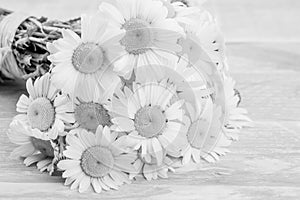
{"points": [[150, 121], [138, 36], [44, 146], [97, 161], [41, 114], [194, 135], [88, 58], [91, 115]]}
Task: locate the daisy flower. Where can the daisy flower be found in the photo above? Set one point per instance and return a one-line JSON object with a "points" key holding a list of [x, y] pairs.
{"points": [[206, 140], [34, 150], [197, 133], [150, 115], [151, 170], [201, 87], [190, 82], [204, 41], [149, 33], [86, 61], [45, 111], [91, 109], [96, 159]]}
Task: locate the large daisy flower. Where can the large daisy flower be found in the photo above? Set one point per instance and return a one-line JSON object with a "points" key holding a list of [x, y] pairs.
{"points": [[149, 32], [199, 128], [34, 150], [45, 111], [152, 116], [96, 159], [91, 109], [84, 61]]}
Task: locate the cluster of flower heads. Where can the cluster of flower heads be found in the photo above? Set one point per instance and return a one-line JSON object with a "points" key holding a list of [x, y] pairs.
{"points": [[142, 91]]}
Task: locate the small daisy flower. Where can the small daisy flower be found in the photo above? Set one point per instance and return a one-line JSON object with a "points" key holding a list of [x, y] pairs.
{"points": [[205, 136], [151, 170], [86, 61], [91, 109], [45, 111], [148, 32], [205, 139], [34, 150], [150, 115], [204, 41], [96, 159]]}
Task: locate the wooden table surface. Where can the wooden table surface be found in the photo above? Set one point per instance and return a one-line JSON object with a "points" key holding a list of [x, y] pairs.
{"points": [[264, 57]]}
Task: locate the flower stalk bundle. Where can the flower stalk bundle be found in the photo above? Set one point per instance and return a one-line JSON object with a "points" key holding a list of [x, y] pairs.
{"points": [[23, 51], [139, 88]]}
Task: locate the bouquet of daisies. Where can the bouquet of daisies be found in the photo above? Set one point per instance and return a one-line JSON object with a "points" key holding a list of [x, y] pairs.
{"points": [[141, 89]]}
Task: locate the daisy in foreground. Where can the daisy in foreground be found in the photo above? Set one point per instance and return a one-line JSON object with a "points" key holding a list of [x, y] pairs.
{"points": [[45, 111], [80, 62], [151, 116], [203, 133], [149, 32], [97, 160], [32, 149]]}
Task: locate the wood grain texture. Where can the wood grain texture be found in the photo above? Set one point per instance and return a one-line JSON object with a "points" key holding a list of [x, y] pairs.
{"points": [[258, 20], [240, 20], [264, 164]]}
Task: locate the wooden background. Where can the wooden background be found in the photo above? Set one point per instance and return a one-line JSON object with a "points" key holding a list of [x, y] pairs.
{"points": [[264, 54]]}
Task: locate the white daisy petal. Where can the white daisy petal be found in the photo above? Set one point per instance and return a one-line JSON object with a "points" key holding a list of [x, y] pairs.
{"points": [[124, 124], [103, 186], [120, 177], [175, 111], [71, 171], [67, 164], [33, 159], [23, 103], [74, 141], [23, 151], [113, 12], [84, 184], [76, 183], [71, 36], [158, 151], [30, 88], [72, 153], [97, 187], [109, 182]]}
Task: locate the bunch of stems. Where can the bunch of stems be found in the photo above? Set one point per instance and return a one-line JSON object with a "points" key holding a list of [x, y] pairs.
{"points": [[29, 44]]}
